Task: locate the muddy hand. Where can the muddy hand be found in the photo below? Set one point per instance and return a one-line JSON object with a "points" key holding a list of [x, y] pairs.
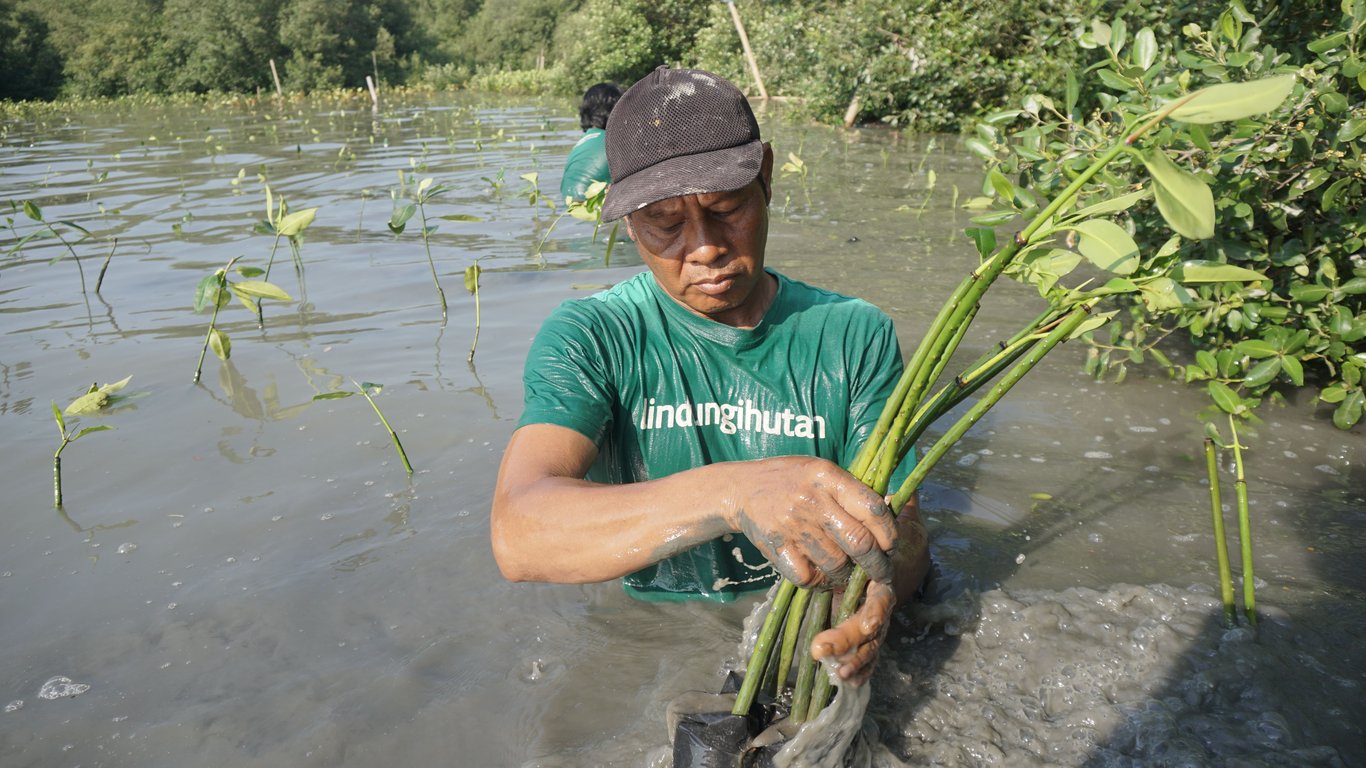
{"points": [[854, 644], [813, 520]]}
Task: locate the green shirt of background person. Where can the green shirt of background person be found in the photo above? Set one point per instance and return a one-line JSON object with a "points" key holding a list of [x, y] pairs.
{"points": [[692, 178], [587, 161]]}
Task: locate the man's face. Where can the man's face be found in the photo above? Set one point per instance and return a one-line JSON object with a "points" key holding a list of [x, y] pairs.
{"points": [[707, 251]]}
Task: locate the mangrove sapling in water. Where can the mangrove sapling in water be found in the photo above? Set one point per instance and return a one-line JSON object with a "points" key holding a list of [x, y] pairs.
{"points": [[95, 399], [588, 209], [1031, 255], [365, 389], [282, 223], [472, 273], [51, 229], [217, 290], [1220, 542], [398, 222]]}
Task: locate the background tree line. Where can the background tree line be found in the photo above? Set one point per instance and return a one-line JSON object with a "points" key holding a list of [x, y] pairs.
{"points": [[929, 64]]}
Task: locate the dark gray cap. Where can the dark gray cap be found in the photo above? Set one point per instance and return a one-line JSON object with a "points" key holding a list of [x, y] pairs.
{"points": [[679, 132]]}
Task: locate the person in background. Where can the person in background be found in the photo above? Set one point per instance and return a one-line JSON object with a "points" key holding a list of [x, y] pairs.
{"points": [[587, 161], [684, 431]]}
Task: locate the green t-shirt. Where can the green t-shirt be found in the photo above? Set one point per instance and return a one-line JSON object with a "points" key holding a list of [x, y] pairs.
{"points": [[660, 390], [587, 163]]}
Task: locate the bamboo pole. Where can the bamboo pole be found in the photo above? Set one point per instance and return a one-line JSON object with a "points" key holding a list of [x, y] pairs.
{"points": [[374, 92], [749, 53], [275, 73]]}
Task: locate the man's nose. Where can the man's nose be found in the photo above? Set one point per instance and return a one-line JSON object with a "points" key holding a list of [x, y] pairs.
{"points": [[705, 242]]}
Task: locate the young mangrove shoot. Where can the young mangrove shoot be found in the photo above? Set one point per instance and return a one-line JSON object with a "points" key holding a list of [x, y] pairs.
{"points": [[51, 229], [95, 399], [398, 222], [217, 290], [282, 223], [472, 273], [365, 389]]}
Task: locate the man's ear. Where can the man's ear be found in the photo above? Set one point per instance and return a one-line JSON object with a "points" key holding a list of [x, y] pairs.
{"points": [[766, 172], [630, 231]]}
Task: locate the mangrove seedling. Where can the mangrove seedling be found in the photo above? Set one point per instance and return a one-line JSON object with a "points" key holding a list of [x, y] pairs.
{"points": [[52, 229], [472, 273], [282, 223], [1034, 255], [588, 209], [217, 290], [365, 389], [398, 222], [96, 398]]}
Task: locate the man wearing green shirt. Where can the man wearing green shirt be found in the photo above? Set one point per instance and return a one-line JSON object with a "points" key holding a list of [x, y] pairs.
{"points": [[587, 161], [684, 430]]}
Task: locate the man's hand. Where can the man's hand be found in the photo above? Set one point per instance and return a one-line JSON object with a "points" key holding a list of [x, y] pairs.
{"points": [[853, 645], [813, 520]]}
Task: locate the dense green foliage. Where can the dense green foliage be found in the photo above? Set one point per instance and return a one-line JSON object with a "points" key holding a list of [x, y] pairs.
{"points": [[1287, 193], [929, 64]]}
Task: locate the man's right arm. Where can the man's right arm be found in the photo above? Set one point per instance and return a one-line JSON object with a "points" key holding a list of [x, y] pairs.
{"points": [[807, 515]]}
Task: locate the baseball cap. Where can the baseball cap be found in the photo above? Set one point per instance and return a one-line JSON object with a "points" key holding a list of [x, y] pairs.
{"points": [[679, 132]]}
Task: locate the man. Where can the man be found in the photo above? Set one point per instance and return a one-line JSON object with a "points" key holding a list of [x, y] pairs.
{"points": [[684, 429], [587, 161]]}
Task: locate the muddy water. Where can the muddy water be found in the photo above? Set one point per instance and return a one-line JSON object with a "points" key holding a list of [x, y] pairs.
{"points": [[243, 576]]}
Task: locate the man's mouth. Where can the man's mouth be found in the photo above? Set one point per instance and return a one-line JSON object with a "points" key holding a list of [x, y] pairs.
{"points": [[716, 285]]}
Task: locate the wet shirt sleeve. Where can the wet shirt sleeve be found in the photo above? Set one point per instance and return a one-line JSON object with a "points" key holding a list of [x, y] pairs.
{"points": [[566, 379]]}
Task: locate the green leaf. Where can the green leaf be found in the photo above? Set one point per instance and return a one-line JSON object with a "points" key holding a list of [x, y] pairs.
{"points": [[1329, 201], [456, 217], [979, 148], [1349, 410], [1144, 52], [1262, 373], [399, 218], [1100, 32], [1352, 129], [1224, 397], [472, 278], [88, 430], [1206, 360], [1196, 271], [250, 271], [220, 344], [1107, 246], [1185, 201], [333, 395], [1106, 207], [1004, 189], [370, 387], [1333, 394], [984, 238], [210, 292], [1073, 91], [1091, 323], [95, 399], [1233, 101], [260, 289], [1309, 293], [993, 218], [1258, 348], [295, 223], [57, 414], [1294, 369], [422, 185], [32, 210], [1163, 293], [1324, 44]]}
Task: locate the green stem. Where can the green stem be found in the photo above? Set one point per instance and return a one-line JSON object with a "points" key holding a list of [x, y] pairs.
{"points": [[475, 342], [431, 262], [1040, 348], [222, 286], [1244, 528], [80, 269], [1220, 542], [806, 670], [398, 446], [260, 314], [792, 626], [57, 472], [99, 281], [763, 646]]}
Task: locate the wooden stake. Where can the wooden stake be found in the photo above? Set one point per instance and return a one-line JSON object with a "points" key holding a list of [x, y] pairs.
{"points": [[374, 92], [275, 73], [851, 114], [749, 54]]}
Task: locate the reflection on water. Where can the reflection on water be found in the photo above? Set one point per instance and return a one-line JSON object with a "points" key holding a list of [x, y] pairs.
{"points": [[243, 576]]}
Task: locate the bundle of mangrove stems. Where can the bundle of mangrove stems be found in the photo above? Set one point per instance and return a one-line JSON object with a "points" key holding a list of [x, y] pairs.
{"points": [[923, 395]]}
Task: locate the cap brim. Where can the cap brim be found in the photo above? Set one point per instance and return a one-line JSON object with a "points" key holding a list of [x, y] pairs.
{"points": [[720, 170]]}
